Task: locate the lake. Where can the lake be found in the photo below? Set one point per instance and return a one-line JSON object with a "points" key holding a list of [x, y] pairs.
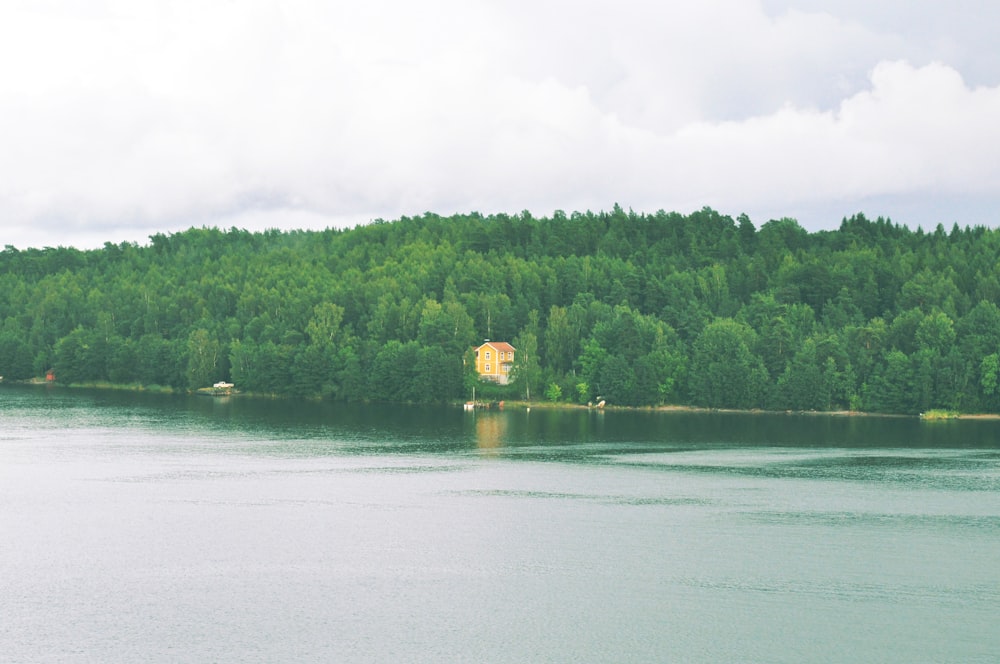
{"points": [[164, 528]]}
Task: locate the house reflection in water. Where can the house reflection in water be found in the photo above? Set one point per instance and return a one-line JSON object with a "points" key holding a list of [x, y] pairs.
{"points": [[491, 428]]}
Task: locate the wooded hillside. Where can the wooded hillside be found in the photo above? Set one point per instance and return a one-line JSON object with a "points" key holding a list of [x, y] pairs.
{"points": [[639, 309]]}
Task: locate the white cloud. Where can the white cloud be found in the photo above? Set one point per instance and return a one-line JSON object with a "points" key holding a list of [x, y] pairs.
{"points": [[913, 129], [136, 117]]}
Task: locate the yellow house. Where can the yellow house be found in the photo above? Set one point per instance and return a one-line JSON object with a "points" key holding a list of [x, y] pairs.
{"points": [[494, 361]]}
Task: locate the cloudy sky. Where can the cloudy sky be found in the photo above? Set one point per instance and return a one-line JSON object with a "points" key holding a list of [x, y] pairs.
{"points": [[123, 118]]}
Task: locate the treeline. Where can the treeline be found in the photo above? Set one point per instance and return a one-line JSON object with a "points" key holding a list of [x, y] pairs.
{"points": [[638, 309]]}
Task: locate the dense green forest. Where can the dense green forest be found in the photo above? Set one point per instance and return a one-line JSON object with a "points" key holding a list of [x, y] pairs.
{"points": [[639, 309]]}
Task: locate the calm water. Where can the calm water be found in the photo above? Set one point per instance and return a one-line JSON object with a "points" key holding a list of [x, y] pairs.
{"points": [[155, 528]]}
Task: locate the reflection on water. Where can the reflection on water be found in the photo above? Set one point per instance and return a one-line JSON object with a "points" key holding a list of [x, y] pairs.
{"points": [[446, 429], [491, 430], [161, 528]]}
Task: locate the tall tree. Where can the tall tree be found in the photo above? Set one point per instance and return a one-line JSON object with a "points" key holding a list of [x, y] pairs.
{"points": [[725, 373], [527, 371]]}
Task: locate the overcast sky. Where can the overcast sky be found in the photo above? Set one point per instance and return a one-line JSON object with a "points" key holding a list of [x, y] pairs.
{"points": [[123, 118]]}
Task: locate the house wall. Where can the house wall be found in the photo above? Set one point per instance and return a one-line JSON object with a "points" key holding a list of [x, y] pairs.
{"points": [[490, 362]]}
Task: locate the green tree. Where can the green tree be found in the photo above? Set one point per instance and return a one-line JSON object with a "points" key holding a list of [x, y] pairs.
{"points": [[805, 385], [562, 340], [616, 381], [527, 371], [324, 325], [15, 357], [891, 390], [447, 326], [203, 359], [81, 356], [989, 377], [725, 373]]}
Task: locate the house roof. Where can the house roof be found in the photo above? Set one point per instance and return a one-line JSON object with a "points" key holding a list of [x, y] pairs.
{"points": [[500, 346]]}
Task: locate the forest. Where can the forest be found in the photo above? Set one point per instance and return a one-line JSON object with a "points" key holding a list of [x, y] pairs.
{"points": [[636, 309]]}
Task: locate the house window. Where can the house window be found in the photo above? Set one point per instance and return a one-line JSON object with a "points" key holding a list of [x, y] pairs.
{"points": [[487, 368], [487, 355]]}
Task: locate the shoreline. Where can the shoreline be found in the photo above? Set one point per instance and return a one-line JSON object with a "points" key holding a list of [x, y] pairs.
{"points": [[519, 404], [675, 408]]}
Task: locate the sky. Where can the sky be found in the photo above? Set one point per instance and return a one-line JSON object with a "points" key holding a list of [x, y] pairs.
{"points": [[120, 119]]}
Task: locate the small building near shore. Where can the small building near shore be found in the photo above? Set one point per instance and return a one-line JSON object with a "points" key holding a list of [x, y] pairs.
{"points": [[495, 361]]}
